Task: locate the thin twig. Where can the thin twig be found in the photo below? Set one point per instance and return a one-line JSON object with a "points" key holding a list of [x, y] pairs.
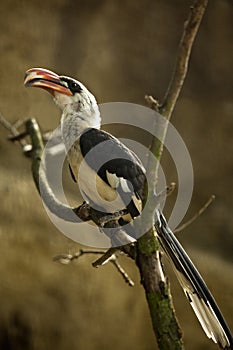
{"points": [[123, 273], [178, 76], [167, 191], [152, 103], [105, 257], [18, 123], [19, 137], [171, 188], [195, 216], [191, 27], [67, 258], [12, 129]]}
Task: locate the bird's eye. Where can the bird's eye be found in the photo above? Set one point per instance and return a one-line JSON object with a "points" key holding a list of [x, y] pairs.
{"points": [[74, 86]]}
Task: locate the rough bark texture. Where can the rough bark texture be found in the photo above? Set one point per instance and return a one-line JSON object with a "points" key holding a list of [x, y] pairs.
{"points": [[165, 324]]}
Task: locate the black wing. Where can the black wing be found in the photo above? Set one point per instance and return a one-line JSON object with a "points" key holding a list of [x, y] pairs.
{"points": [[114, 157]]}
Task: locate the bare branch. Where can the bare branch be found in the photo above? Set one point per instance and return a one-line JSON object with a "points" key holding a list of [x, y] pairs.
{"points": [[123, 273], [152, 103], [167, 329], [105, 257], [167, 191], [178, 76], [109, 257], [177, 80], [12, 129], [67, 258]]}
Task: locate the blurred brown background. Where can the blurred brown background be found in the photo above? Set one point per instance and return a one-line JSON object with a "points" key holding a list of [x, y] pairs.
{"points": [[121, 50]]}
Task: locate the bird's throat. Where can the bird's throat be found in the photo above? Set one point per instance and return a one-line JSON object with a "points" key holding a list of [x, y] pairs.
{"points": [[75, 124]]}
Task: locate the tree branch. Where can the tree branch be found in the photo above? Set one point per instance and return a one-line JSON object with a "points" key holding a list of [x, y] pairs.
{"points": [[113, 258], [12, 129], [166, 327], [191, 27]]}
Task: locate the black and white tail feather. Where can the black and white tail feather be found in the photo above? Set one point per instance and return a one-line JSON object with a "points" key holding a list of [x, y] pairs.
{"points": [[194, 287]]}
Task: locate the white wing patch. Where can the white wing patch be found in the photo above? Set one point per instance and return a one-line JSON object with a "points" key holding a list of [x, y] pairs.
{"points": [[116, 181], [124, 185]]}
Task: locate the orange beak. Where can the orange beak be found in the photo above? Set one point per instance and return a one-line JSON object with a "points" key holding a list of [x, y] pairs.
{"points": [[45, 79]]}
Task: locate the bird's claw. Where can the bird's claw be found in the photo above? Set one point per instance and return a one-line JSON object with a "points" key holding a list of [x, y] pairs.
{"points": [[111, 217]]}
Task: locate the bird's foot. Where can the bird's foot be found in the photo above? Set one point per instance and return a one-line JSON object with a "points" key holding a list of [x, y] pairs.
{"points": [[112, 217]]}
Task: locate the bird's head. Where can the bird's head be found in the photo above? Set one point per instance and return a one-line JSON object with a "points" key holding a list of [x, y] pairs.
{"points": [[67, 92]]}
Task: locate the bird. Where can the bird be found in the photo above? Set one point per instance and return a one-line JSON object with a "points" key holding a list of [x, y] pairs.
{"points": [[120, 179]]}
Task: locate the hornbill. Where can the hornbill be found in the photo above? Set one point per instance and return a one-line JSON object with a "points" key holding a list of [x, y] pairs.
{"points": [[121, 179]]}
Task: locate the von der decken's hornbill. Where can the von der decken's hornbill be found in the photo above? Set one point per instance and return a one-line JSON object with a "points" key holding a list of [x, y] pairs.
{"points": [[121, 177]]}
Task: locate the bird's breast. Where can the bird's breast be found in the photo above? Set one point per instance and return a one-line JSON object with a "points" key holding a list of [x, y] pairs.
{"points": [[92, 187]]}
